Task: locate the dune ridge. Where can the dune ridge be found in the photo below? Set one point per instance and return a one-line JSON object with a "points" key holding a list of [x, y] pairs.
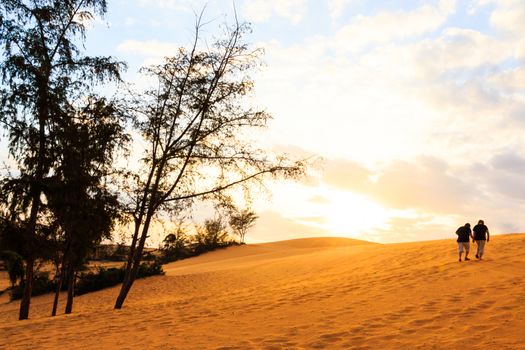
{"points": [[324, 293]]}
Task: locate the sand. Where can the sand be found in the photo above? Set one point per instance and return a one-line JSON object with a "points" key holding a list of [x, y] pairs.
{"points": [[302, 294]]}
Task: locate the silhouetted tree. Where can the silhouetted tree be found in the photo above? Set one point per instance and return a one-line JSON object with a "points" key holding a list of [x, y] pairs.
{"points": [[43, 73], [175, 245], [241, 221], [78, 195], [193, 125], [211, 235]]}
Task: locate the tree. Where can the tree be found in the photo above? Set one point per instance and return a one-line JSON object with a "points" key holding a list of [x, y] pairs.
{"points": [[176, 245], [78, 194], [43, 73], [211, 235], [194, 124], [242, 221]]}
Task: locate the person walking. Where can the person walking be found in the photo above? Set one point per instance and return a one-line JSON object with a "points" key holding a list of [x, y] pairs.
{"points": [[464, 235], [481, 237]]}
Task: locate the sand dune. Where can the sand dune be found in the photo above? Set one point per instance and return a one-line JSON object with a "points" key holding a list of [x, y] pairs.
{"points": [[301, 294]]}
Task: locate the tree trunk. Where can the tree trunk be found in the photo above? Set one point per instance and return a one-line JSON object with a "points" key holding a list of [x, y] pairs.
{"points": [[35, 206], [126, 285], [70, 289], [60, 279], [28, 288], [129, 262], [124, 290], [134, 267]]}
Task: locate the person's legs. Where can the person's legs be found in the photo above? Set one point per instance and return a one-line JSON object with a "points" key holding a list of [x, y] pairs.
{"points": [[460, 249], [467, 249], [481, 248]]}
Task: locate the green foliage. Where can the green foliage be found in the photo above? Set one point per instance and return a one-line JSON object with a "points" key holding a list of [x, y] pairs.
{"points": [[41, 285], [211, 235], [88, 281], [104, 278], [176, 246], [43, 78]]}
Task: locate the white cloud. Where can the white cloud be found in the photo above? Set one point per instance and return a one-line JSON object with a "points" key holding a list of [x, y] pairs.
{"points": [[263, 10], [507, 16], [386, 27], [337, 7]]}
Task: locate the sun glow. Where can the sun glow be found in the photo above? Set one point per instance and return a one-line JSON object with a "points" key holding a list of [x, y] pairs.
{"points": [[331, 211], [349, 214]]}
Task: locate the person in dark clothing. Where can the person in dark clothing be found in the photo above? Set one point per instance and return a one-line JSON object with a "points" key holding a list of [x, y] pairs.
{"points": [[481, 236], [464, 235]]}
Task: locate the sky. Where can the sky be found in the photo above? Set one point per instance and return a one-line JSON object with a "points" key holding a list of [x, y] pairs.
{"points": [[415, 109]]}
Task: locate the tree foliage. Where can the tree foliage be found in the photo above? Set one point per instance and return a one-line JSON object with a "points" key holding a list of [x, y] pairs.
{"points": [[241, 221], [78, 196], [43, 74], [211, 235]]}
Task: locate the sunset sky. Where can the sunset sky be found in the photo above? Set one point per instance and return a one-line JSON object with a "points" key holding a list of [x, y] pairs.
{"points": [[416, 108]]}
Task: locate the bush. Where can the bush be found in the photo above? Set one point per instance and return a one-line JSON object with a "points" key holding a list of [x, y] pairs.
{"points": [[14, 264], [41, 285], [104, 278], [89, 281], [150, 269]]}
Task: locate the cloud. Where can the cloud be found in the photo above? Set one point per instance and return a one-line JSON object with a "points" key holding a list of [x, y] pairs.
{"points": [[318, 199], [427, 184], [263, 10], [508, 17], [337, 7], [509, 162], [460, 48], [345, 174], [418, 227], [428, 196], [386, 27], [509, 82]]}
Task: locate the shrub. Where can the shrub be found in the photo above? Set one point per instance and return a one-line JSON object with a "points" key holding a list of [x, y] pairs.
{"points": [[104, 278], [150, 269], [14, 264], [41, 285], [89, 281]]}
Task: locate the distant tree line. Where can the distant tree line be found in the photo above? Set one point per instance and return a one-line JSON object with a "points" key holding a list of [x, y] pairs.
{"points": [[211, 235], [63, 193]]}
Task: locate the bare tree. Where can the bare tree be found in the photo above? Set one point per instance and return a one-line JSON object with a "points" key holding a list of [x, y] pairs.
{"points": [[194, 124]]}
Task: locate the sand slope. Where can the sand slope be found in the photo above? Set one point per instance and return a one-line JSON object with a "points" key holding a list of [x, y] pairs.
{"points": [[301, 294]]}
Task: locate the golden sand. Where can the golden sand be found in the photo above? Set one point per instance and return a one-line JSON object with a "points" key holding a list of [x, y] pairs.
{"points": [[324, 293]]}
